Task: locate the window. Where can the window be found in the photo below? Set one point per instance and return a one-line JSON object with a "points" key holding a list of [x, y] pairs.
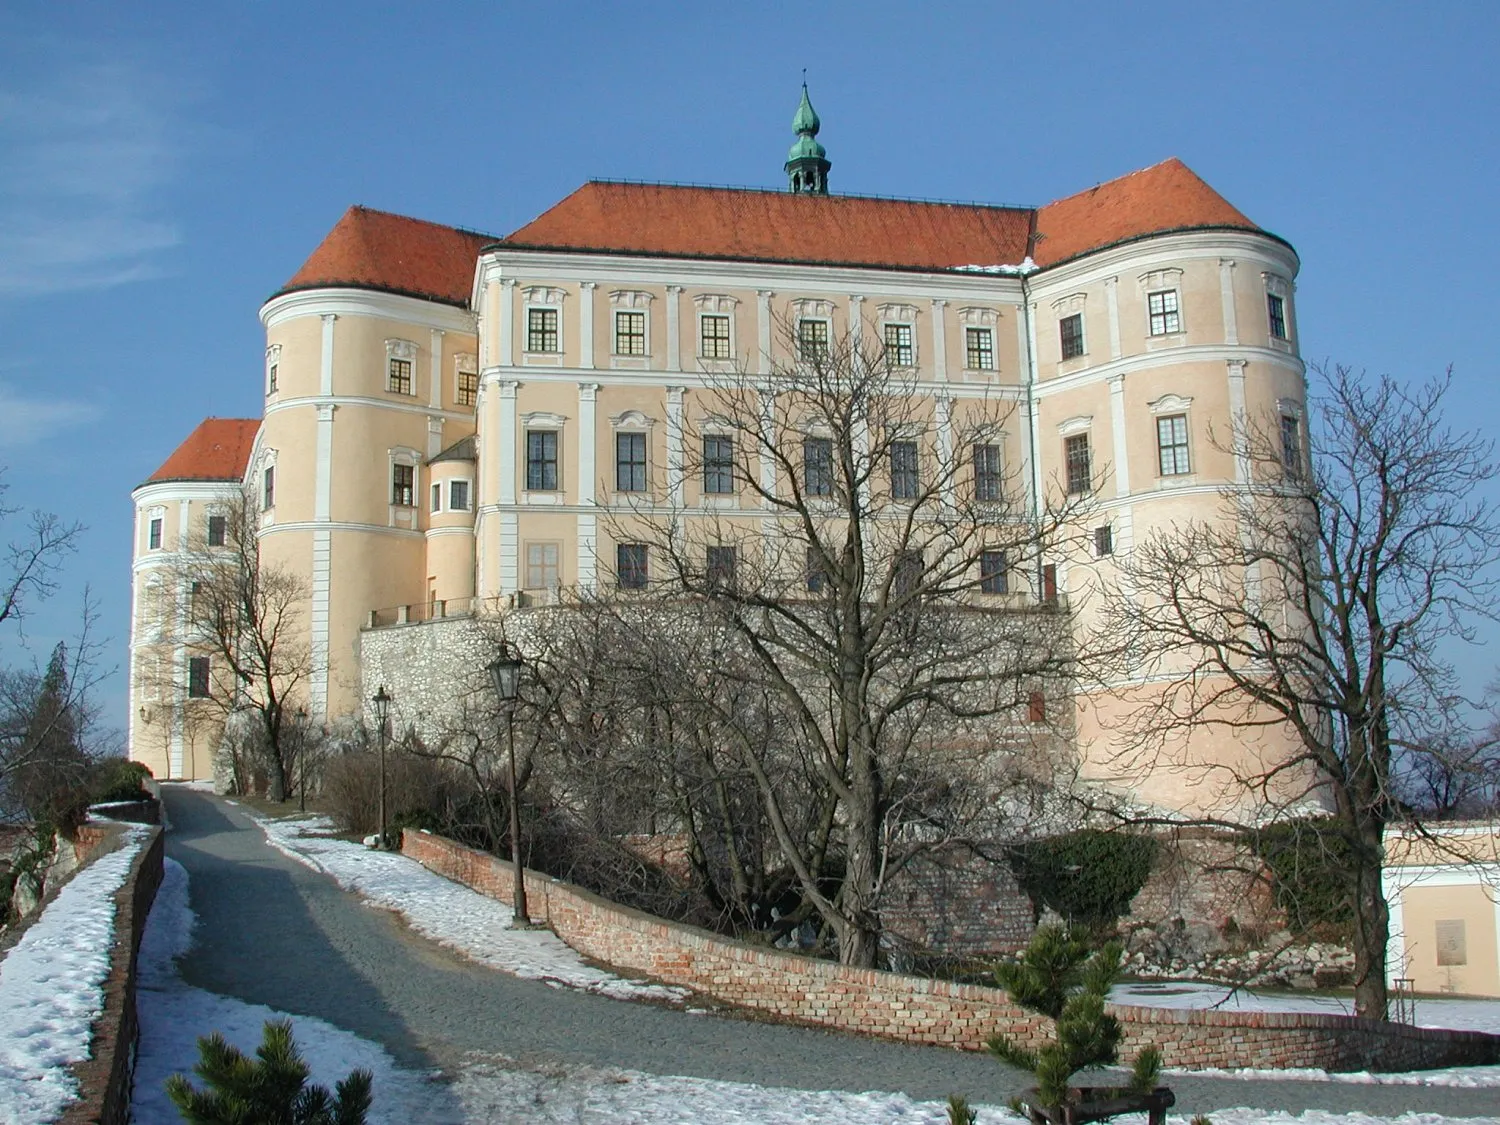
{"points": [[1162, 306], [630, 333], [153, 534], [268, 488], [631, 566], [1452, 942], [908, 573], [541, 566], [468, 388], [719, 571], [1291, 444], [630, 462], [541, 330], [1104, 541], [812, 339], [979, 349], [713, 336], [398, 376], [1071, 330], [898, 346], [987, 479], [817, 577], [458, 496], [817, 466], [718, 464], [1076, 458], [218, 529], [903, 470], [1036, 708], [271, 378], [541, 460], [1172, 445], [1276, 312], [198, 677], [993, 575], [403, 485], [437, 497]]}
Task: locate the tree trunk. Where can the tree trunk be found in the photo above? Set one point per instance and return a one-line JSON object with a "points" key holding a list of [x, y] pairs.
{"points": [[1372, 926]]}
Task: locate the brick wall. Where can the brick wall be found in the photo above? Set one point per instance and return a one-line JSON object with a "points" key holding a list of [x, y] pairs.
{"points": [[104, 1078], [919, 1010]]}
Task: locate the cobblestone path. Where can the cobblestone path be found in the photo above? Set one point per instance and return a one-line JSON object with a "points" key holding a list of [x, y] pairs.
{"points": [[272, 931]]}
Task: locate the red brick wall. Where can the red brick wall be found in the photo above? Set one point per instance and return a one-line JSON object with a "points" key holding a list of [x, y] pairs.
{"points": [[919, 1010]]}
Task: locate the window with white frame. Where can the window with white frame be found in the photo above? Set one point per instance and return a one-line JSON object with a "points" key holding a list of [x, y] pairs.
{"points": [[1104, 541], [542, 331], [630, 461], [812, 339], [437, 497], [713, 336], [1070, 333], [268, 488], [632, 566], [1077, 464], [1172, 445], [1291, 442], [1164, 312], [1278, 298], [905, 476], [542, 571], [541, 460], [218, 530], [630, 332], [720, 563], [899, 348], [458, 496], [817, 466], [718, 464], [466, 381], [979, 349], [273, 367], [994, 577], [987, 474], [154, 532], [403, 485], [198, 678], [400, 367]]}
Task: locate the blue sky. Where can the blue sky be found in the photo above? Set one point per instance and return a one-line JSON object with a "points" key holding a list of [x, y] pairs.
{"points": [[164, 167]]}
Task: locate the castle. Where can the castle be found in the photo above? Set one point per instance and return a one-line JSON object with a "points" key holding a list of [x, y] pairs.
{"points": [[450, 418]]}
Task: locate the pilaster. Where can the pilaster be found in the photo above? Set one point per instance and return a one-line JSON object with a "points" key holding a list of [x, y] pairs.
{"points": [[1226, 295], [676, 451], [1112, 307], [674, 328], [940, 339], [586, 324], [763, 327], [1117, 432]]}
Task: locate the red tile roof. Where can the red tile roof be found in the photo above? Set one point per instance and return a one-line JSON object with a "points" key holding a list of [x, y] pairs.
{"points": [[377, 250], [1166, 196], [219, 449], [731, 223]]}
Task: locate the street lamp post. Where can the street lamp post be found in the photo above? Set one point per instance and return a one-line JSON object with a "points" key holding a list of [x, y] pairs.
{"points": [[505, 671], [302, 758], [382, 701]]}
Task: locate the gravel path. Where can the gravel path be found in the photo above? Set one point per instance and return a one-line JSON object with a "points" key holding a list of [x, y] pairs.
{"points": [[274, 932]]}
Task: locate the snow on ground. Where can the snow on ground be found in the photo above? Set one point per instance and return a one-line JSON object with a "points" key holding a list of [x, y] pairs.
{"points": [[493, 1089], [453, 915], [51, 989], [1460, 1015]]}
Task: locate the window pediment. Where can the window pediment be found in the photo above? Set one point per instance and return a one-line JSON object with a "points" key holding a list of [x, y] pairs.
{"points": [[543, 419], [544, 295], [1168, 278], [630, 299], [714, 303], [1072, 303], [977, 316], [1077, 424], [1170, 404], [401, 349], [1277, 285], [897, 312], [811, 307], [632, 420]]}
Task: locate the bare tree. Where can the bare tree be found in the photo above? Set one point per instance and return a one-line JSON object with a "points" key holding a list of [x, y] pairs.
{"points": [[849, 595], [1315, 606], [244, 616]]}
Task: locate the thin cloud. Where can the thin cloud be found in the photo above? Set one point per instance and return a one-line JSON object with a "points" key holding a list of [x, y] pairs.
{"points": [[91, 150], [26, 421]]}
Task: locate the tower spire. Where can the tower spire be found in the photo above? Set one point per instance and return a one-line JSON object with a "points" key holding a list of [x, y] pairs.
{"points": [[807, 163]]}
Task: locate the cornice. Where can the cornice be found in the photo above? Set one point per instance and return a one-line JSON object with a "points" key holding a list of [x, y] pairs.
{"points": [[321, 401], [1120, 258], [157, 491], [712, 380], [336, 301], [340, 525], [1168, 357]]}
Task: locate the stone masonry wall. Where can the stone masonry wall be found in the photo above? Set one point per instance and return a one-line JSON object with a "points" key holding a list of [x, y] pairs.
{"points": [[428, 668], [918, 1010]]}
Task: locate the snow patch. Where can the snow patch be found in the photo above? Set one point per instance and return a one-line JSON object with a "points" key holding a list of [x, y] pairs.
{"points": [[1025, 268], [52, 989], [453, 915]]}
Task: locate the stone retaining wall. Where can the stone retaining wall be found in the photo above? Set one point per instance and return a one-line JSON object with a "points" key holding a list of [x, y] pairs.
{"points": [[105, 1077], [918, 1010]]}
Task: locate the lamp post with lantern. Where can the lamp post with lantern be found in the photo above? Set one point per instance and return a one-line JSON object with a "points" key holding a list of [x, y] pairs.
{"points": [[382, 702], [505, 672]]}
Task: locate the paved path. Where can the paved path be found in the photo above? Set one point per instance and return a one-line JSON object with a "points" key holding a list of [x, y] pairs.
{"points": [[272, 931]]}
